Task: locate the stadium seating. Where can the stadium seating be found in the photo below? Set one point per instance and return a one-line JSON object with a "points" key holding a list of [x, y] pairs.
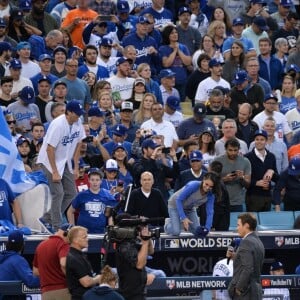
{"points": [[270, 220], [233, 220]]}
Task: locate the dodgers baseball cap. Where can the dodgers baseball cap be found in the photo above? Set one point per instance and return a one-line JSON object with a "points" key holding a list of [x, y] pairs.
{"points": [[118, 146], [16, 237], [269, 97], [3, 22], [5, 46], [196, 155], [293, 67], [17, 14], [43, 57], [75, 107], [199, 109], [59, 82], [214, 62], [21, 140], [149, 143], [238, 21], [121, 60], [173, 102], [15, 64], [119, 130], [286, 3], [143, 20], [240, 77], [25, 5], [166, 73], [106, 42], [95, 111], [27, 94], [122, 7], [261, 132], [44, 78], [294, 166], [183, 10], [60, 49], [126, 105], [277, 265], [111, 165]]}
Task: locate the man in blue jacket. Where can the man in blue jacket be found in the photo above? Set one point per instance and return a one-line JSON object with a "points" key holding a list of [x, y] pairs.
{"points": [[13, 266]]}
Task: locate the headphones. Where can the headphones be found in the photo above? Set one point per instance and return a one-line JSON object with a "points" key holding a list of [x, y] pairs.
{"points": [[65, 234]]}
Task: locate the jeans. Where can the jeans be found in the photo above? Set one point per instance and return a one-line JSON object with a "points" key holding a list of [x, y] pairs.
{"points": [[174, 226]]}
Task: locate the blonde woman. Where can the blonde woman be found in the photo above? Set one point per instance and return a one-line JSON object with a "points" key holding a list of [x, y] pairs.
{"points": [[144, 112], [152, 86], [288, 100], [106, 106], [217, 30]]}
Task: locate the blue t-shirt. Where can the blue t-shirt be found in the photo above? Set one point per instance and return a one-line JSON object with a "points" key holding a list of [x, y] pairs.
{"points": [[6, 199], [248, 45], [91, 209], [177, 66], [286, 104]]}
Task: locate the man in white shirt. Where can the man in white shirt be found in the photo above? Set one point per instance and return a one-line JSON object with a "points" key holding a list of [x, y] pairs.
{"points": [[282, 126], [62, 143], [161, 127], [206, 85]]}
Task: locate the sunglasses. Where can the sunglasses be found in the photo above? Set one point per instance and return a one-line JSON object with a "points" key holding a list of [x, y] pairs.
{"points": [[11, 122]]}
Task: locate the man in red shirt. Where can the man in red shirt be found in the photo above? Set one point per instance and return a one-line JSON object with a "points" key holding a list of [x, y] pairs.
{"points": [[49, 263]]}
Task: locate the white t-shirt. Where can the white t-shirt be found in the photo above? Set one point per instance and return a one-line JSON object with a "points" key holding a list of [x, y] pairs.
{"points": [[282, 125], [18, 85], [293, 118], [223, 269], [165, 128], [64, 138], [175, 118], [110, 65], [206, 85], [30, 69], [122, 85]]}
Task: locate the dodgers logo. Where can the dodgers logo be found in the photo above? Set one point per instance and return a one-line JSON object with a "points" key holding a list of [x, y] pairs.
{"points": [[170, 284], [279, 241]]}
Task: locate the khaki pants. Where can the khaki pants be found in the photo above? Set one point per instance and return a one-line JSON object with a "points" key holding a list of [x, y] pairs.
{"points": [[62, 294]]}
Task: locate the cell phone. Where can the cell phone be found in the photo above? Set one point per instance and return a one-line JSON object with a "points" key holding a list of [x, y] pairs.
{"points": [[105, 18], [88, 139], [120, 183], [166, 150]]}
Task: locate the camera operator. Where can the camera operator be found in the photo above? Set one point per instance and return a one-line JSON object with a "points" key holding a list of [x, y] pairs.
{"points": [[131, 259]]}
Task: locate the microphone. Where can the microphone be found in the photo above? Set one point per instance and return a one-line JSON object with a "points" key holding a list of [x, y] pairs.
{"points": [[232, 247]]}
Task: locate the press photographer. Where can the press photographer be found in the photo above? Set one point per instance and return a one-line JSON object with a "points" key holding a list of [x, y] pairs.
{"points": [[131, 257]]}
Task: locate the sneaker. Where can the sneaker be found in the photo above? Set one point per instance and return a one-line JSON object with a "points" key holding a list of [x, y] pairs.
{"points": [[46, 226]]}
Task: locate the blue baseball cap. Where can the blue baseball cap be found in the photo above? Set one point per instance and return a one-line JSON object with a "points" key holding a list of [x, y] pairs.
{"points": [[173, 102], [106, 42], [5, 46], [25, 5], [27, 94], [143, 20], [23, 45], [59, 82], [16, 237], [95, 111], [183, 10], [3, 22], [122, 59], [214, 62], [149, 143], [261, 23], [293, 67], [294, 166], [60, 49], [166, 73], [44, 78], [21, 140], [75, 107], [277, 265], [15, 64], [240, 77], [119, 130], [270, 96], [261, 132], [196, 155], [43, 57], [286, 3], [119, 146], [238, 21], [122, 7]]}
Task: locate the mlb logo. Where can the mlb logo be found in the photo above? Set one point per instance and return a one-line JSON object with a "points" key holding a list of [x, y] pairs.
{"points": [[279, 241], [170, 284], [172, 243]]}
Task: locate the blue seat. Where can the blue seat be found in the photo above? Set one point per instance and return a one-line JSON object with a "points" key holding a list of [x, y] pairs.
{"points": [[271, 220], [234, 217], [296, 213]]}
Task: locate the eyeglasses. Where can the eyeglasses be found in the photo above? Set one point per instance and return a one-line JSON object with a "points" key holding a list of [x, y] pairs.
{"points": [[271, 103], [11, 122], [73, 66]]}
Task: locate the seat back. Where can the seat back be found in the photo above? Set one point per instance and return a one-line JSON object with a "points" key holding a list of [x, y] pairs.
{"points": [[271, 220], [234, 217]]}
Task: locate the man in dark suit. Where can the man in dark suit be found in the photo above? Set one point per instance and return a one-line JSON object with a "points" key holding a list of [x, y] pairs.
{"points": [[248, 262]]}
